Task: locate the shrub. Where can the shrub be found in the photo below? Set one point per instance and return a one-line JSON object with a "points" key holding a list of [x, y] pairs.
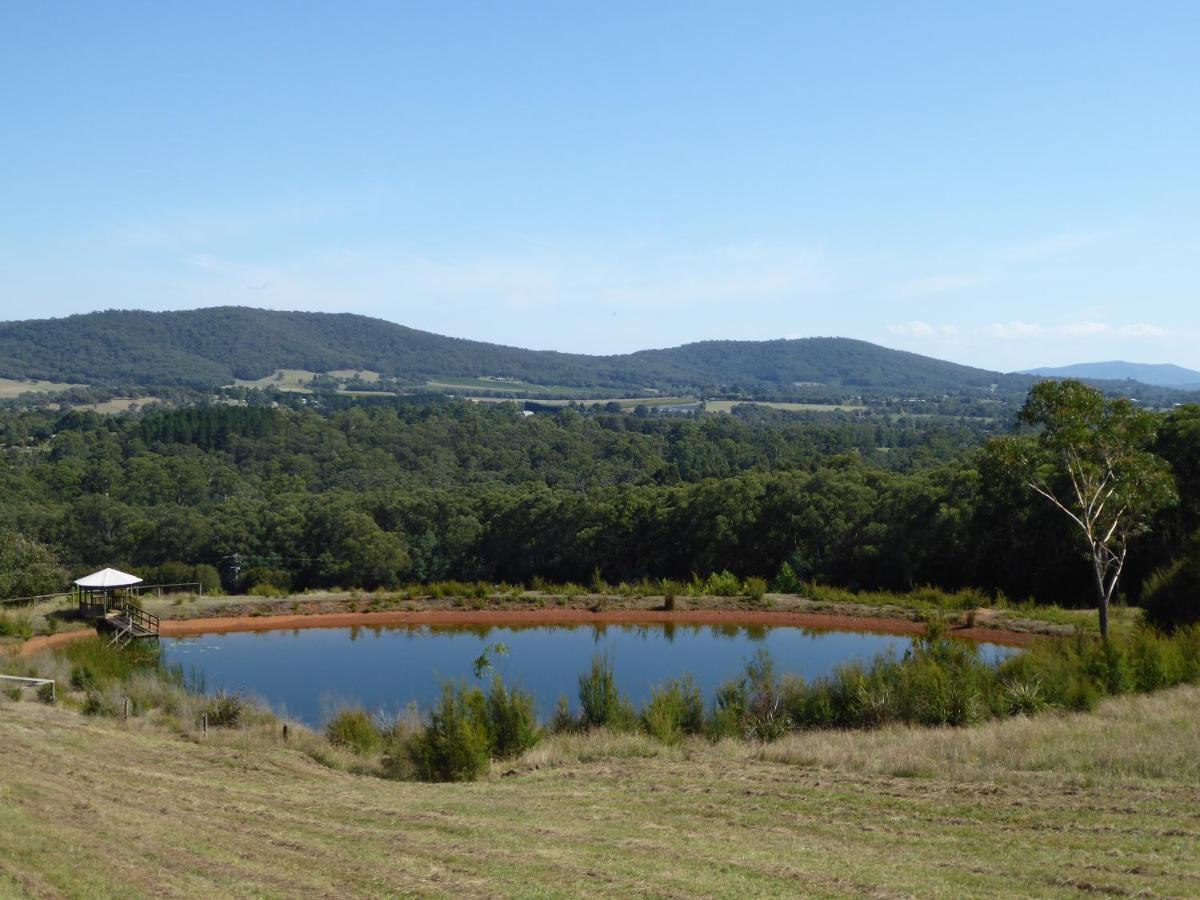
{"points": [[729, 709], [98, 702], [356, 730], [675, 709], [16, 625], [563, 721], [723, 584], [225, 710], [787, 581], [717, 584], [454, 745], [277, 580], [511, 722], [266, 589], [755, 588], [601, 704], [751, 706]]}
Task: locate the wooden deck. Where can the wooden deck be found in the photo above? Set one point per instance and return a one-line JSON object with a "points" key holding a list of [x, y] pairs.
{"points": [[129, 624]]}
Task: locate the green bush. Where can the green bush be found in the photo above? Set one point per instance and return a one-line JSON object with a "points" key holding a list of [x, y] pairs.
{"points": [[674, 709], [564, 721], [266, 589], [511, 722], [356, 730], [717, 584], [787, 581], [600, 702], [753, 705], [755, 588], [16, 625], [454, 745], [225, 710], [278, 580]]}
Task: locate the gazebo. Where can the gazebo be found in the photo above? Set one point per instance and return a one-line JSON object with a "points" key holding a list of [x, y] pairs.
{"points": [[105, 591]]}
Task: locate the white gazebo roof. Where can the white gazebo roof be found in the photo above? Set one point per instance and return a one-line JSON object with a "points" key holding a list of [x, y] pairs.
{"points": [[108, 578]]}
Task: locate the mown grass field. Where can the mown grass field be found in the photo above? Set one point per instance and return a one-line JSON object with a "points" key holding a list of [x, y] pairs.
{"points": [[1107, 803]]}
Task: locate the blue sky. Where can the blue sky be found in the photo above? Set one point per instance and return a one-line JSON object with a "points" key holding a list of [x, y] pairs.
{"points": [[1008, 185]]}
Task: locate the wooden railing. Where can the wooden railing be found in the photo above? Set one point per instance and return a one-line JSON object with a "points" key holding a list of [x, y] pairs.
{"points": [[142, 619]]}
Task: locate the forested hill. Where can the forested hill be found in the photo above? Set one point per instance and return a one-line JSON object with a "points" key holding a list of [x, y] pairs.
{"points": [[209, 347]]}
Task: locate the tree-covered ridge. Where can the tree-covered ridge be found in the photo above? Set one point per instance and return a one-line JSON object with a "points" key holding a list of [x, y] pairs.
{"points": [[210, 347]]}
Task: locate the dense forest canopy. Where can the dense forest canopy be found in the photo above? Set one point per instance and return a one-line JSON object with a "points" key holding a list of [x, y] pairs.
{"points": [[385, 492]]}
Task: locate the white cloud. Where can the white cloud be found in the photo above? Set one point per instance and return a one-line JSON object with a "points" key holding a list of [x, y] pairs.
{"points": [[923, 330]]}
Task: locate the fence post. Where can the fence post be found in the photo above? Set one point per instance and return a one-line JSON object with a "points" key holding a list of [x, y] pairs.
{"points": [[205, 721], [285, 733], [126, 709]]}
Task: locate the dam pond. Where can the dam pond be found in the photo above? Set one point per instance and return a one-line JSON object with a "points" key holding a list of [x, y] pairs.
{"points": [[308, 674]]}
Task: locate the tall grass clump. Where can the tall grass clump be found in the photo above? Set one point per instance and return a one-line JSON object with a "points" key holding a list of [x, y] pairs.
{"points": [[670, 590]]}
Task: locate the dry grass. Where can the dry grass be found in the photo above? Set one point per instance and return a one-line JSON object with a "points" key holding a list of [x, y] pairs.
{"points": [[725, 406], [294, 380], [118, 405], [1105, 803], [11, 387]]}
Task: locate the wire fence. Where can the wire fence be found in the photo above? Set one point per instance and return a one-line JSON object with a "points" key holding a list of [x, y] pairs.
{"points": [[158, 590]]}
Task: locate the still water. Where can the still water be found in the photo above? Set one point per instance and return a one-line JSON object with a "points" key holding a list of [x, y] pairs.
{"points": [[307, 674]]}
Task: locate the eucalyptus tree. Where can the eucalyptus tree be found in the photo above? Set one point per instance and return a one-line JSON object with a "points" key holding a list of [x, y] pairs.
{"points": [[1089, 456]]}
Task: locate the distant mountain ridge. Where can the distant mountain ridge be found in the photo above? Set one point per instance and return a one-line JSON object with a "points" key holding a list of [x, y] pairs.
{"points": [[1159, 374], [205, 348]]}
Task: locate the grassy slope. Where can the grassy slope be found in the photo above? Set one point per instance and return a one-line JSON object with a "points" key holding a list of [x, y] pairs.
{"points": [[1054, 806]]}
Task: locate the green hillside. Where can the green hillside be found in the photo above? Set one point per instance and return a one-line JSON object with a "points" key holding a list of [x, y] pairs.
{"points": [[209, 347]]}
